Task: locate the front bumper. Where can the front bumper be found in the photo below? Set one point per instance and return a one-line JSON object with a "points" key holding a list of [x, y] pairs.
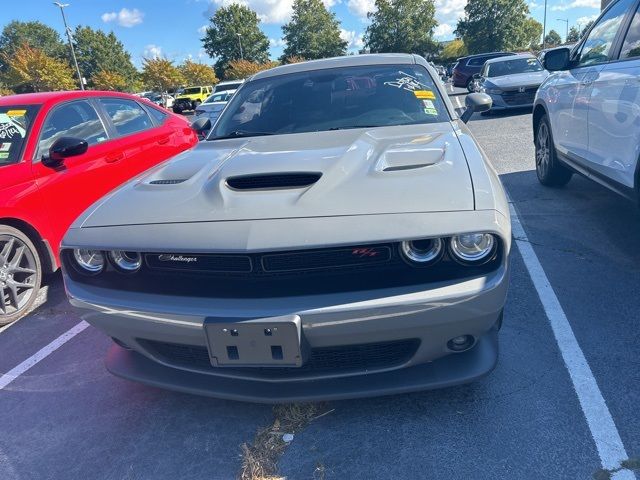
{"points": [[431, 316], [502, 103]]}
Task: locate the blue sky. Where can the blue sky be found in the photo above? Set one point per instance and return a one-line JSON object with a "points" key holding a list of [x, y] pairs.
{"points": [[173, 28]]}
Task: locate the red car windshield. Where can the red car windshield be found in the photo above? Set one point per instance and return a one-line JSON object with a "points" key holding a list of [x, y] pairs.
{"points": [[15, 124]]}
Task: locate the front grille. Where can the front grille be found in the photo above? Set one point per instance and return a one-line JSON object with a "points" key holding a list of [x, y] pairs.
{"points": [[515, 97], [339, 359], [273, 181]]}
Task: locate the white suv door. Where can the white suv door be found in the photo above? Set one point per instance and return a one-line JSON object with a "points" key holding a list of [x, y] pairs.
{"points": [[614, 112]]}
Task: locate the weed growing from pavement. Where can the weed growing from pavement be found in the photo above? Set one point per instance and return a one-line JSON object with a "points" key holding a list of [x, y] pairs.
{"points": [[260, 458], [629, 464]]}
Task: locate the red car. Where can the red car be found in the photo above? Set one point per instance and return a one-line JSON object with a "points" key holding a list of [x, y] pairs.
{"points": [[59, 153]]}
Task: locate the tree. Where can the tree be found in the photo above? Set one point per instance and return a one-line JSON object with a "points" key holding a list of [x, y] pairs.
{"points": [[586, 28], [293, 59], [98, 51], [530, 35], [494, 25], [108, 80], [574, 35], [35, 34], [239, 69], [198, 73], [230, 26], [32, 70], [161, 74], [402, 26], [453, 50], [313, 32], [552, 39]]}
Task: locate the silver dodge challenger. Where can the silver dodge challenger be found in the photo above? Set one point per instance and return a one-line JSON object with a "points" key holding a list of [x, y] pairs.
{"points": [[338, 234]]}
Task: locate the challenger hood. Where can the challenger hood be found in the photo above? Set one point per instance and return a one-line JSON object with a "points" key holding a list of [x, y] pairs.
{"points": [[528, 79], [403, 169]]}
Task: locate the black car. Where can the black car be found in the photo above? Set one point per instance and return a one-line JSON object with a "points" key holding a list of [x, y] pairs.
{"points": [[468, 66]]}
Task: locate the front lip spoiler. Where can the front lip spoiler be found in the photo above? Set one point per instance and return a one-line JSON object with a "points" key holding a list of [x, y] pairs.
{"points": [[447, 371]]}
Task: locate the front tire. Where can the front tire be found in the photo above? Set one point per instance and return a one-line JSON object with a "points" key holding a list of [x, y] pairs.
{"points": [[177, 110], [20, 274], [550, 171], [471, 85]]}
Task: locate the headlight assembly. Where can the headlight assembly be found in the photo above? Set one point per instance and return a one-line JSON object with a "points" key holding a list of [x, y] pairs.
{"points": [[127, 262], [422, 252], [473, 248], [493, 91], [89, 262]]}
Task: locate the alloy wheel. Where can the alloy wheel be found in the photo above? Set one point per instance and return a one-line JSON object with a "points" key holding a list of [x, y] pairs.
{"points": [[18, 275], [543, 149]]}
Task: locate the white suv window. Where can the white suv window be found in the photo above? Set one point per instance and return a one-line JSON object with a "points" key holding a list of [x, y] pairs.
{"points": [[631, 46], [597, 46]]}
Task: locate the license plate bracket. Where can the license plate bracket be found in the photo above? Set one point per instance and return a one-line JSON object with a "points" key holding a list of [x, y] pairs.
{"points": [[262, 342]]}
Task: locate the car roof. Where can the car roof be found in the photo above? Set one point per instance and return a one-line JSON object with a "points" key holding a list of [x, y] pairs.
{"points": [[337, 62], [488, 54], [510, 57], [227, 82], [61, 96]]}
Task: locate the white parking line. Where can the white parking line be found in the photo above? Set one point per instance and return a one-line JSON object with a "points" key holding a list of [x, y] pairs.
{"points": [[603, 429], [41, 354]]}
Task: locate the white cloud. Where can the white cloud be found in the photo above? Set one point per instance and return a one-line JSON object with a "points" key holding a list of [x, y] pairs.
{"points": [[124, 18], [582, 21], [269, 11], [360, 8], [353, 39], [449, 11], [277, 42], [152, 51], [443, 30], [577, 4]]}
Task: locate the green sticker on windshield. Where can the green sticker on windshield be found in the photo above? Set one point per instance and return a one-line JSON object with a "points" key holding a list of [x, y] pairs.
{"points": [[431, 111], [4, 154]]}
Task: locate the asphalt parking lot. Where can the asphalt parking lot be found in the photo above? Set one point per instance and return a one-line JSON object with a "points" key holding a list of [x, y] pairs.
{"points": [[536, 416]]}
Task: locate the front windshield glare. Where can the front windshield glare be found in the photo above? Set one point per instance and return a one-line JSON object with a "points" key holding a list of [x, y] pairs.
{"points": [[333, 99], [510, 67]]}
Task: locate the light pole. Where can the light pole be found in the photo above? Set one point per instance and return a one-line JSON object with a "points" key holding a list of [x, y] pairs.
{"points": [[566, 39], [544, 27], [240, 42], [68, 31]]}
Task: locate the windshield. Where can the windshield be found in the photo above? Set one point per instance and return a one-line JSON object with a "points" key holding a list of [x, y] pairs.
{"points": [[333, 99], [510, 67], [15, 124], [218, 97], [191, 91], [227, 86]]}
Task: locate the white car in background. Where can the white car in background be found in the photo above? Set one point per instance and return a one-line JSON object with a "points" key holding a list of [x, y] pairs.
{"points": [[228, 85], [213, 106]]}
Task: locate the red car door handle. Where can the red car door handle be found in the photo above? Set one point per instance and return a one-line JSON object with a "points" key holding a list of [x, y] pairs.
{"points": [[114, 157], [164, 140]]}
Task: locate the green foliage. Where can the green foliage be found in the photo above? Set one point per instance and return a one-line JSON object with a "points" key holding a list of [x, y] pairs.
{"points": [[453, 50], [198, 73], [495, 25], [586, 28], [161, 74], [531, 34], [32, 70], [239, 69], [98, 51], [35, 34], [313, 32], [574, 35], [552, 39], [107, 80], [221, 38], [402, 26]]}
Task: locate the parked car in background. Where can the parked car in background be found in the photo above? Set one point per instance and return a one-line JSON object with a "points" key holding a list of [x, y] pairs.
{"points": [[212, 107], [335, 242], [228, 85], [59, 153], [467, 67], [163, 100], [190, 98], [586, 117], [512, 82]]}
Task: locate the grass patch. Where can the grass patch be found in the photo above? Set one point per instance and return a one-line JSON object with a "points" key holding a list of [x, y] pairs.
{"points": [[260, 458]]}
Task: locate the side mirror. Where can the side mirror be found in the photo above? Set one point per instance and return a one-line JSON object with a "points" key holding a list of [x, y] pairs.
{"points": [[476, 76], [201, 125], [557, 59], [62, 148], [476, 103]]}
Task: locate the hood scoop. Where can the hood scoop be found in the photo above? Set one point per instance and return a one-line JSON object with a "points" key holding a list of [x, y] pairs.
{"points": [[174, 181], [273, 181]]}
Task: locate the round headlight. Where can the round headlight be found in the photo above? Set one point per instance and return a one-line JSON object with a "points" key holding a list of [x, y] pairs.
{"points": [[422, 252], [473, 248], [89, 261], [128, 262]]}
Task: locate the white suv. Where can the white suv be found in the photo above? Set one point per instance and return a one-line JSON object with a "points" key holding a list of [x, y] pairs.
{"points": [[586, 115]]}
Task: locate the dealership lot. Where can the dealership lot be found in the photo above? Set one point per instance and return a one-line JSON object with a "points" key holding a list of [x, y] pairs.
{"points": [[523, 421]]}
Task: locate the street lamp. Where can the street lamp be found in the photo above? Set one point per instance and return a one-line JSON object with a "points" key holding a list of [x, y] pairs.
{"points": [[68, 31], [240, 42], [544, 27], [565, 20]]}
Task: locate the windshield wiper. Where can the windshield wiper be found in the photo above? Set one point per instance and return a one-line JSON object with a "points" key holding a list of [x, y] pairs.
{"points": [[349, 127], [242, 133]]}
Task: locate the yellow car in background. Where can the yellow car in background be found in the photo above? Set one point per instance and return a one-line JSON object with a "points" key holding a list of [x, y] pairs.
{"points": [[191, 97]]}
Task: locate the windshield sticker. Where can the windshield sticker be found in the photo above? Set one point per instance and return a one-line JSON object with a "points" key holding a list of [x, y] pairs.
{"points": [[425, 94], [406, 82], [9, 130], [431, 111], [5, 147], [4, 154], [16, 113], [428, 104]]}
